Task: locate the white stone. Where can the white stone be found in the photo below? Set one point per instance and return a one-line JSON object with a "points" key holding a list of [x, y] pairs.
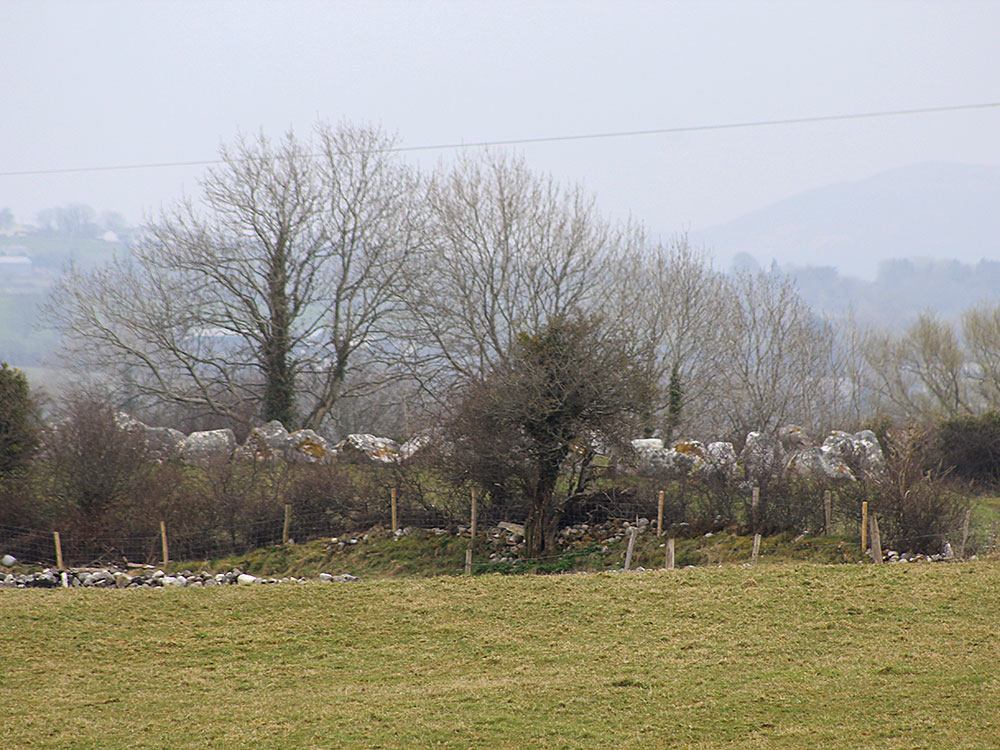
{"points": [[383, 450], [246, 578], [408, 449], [8, 560]]}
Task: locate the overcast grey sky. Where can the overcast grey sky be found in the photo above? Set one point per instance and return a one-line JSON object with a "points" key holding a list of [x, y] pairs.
{"points": [[109, 83]]}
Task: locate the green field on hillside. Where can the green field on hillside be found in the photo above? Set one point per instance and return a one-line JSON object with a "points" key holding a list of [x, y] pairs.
{"points": [[794, 655]]}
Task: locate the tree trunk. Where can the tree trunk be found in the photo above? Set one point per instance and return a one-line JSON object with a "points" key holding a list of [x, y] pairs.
{"points": [[279, 395], [543, 518]]}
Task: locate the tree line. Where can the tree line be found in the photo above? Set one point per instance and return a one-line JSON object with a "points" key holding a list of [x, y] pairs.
{"points": [[326, 283]]}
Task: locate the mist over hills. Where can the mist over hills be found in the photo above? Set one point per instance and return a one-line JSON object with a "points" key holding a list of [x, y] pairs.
{"points": [[923, 211], [922, 237]]}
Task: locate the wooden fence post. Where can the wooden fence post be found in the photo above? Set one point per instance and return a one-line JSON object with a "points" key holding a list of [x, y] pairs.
{"points": [[659, 516], [472, 536], [996, 528], [632, 533], [163, 542], [395, 518], [670, 554], [756, 549], [965, 535], [864, 527], [828, 511], [876, 540], [286, 528], [59, 557]]}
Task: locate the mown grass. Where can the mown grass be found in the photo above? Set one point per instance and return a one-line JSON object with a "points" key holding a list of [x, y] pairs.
{"points": [[795, 655]]}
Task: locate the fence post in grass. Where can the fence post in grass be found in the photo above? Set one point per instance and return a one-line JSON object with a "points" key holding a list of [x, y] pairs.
{"points": [[472, 536], [632, 533], [993, 543], [965, 534], [59, 558], [754, 510], [286, 528], [163, 542], [670, 554], [395, 517], [659, 516], [876, 540], [864, 527], [828, 511]]}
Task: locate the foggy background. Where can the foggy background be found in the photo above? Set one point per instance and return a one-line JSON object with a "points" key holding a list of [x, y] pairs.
{"points": [[107, 84]]}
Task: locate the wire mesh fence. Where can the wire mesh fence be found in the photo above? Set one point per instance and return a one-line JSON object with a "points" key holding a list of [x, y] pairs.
{"points": [[184, 539]]}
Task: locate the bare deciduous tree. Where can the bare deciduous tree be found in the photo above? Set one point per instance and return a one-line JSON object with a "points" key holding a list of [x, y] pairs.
{"points": [[254, 303], [774, 356], [921, 372], [669, 298], [981, 333], [510, 251]]}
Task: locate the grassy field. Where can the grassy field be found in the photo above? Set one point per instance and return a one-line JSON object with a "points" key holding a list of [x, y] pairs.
{"points": [[790, 655]]}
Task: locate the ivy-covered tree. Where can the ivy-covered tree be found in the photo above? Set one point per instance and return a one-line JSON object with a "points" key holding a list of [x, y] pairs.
{"points": [[569, 385], [18, 428]]}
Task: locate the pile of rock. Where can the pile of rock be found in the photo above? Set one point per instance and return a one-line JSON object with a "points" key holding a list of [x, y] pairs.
{"points": [[271, 442], [114, 578], [842, 457]]}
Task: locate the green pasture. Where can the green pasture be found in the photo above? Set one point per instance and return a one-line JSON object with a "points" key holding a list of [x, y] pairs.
{"points": [[788, 656]]}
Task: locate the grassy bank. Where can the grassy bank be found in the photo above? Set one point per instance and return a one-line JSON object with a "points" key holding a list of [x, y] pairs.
{"points": [[424, 554], [778, 656]]}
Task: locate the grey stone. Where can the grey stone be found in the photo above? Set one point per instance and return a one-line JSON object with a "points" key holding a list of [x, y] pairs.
{"points": [[200, 447], [378, 449], [308, 447], [7, 560]]}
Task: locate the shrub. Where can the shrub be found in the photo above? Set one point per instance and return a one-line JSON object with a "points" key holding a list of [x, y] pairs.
{"points": [[969, 447], [93, 463], [917, 508]]}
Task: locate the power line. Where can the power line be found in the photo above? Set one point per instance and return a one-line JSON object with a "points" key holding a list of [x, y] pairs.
{"points": [[552, 138]]}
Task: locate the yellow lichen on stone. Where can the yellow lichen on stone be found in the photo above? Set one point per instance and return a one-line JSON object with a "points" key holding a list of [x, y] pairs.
{"points": [[311, 448], [690, 448]]}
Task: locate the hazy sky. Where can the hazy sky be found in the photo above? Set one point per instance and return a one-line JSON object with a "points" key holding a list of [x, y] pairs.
{"points": [[105, 83]]}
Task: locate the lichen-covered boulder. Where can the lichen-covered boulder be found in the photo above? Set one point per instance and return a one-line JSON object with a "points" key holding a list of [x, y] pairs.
{"points": [[859, 451], [678, 461], [204, 446], [649, 452], [819, 463], [383, 450], [308, 447], [762, 457], [720, 460], [163, 443], [413, 446], [793, 438], [267, 443]]}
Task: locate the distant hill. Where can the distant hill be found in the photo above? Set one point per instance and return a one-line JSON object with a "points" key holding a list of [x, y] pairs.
{"points": [[932, 211]]}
